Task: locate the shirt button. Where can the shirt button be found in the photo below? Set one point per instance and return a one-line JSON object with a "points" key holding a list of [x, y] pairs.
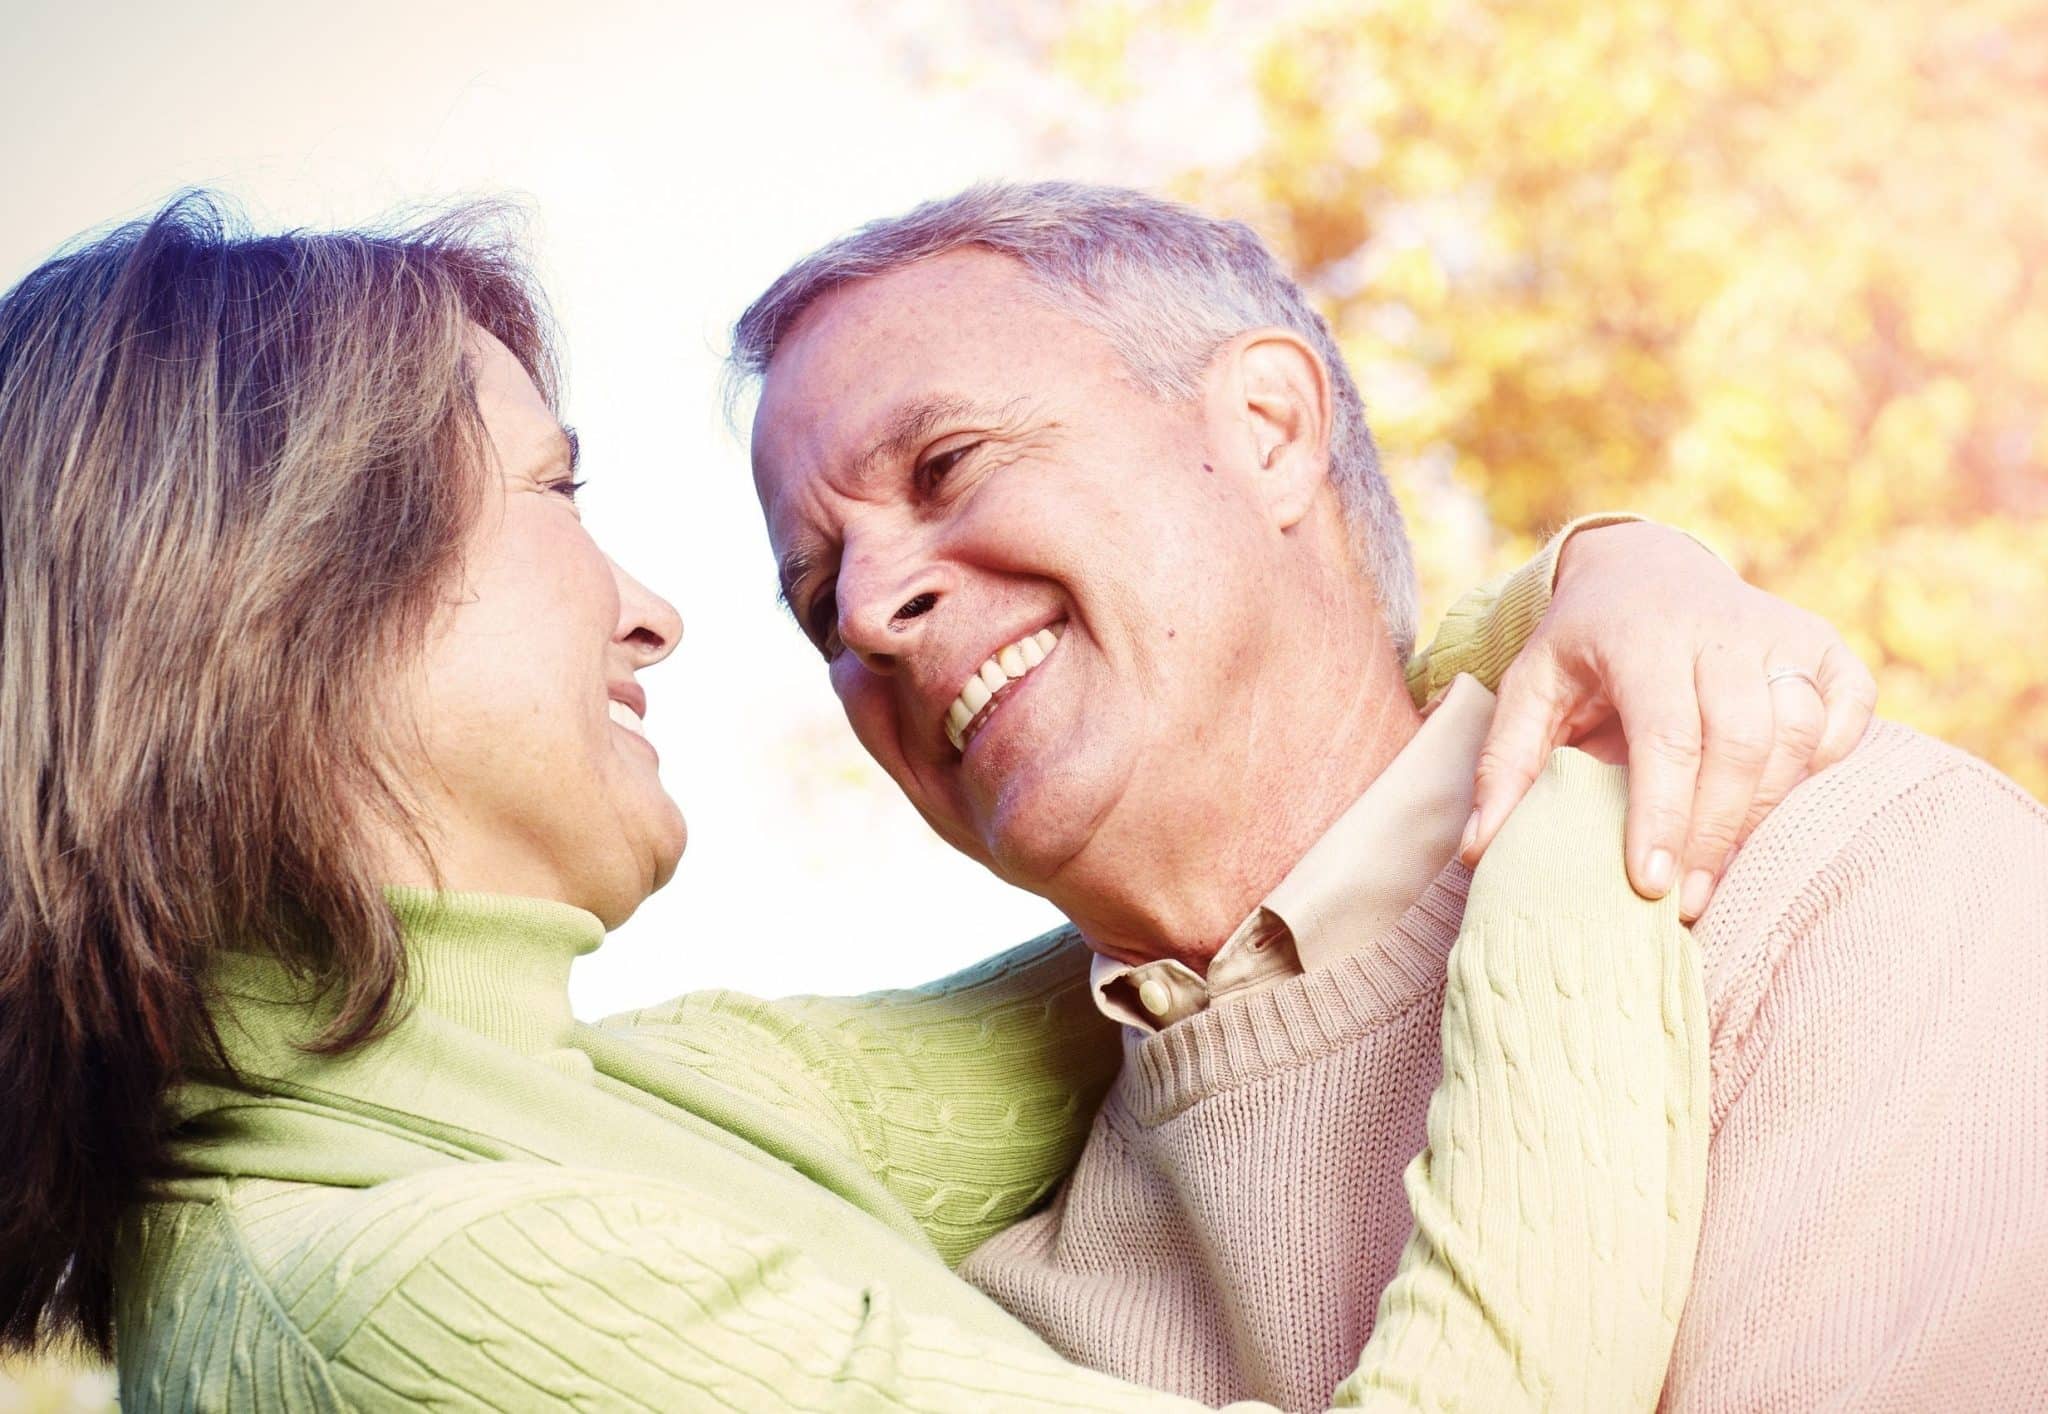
{"points": [[1153, 994]]}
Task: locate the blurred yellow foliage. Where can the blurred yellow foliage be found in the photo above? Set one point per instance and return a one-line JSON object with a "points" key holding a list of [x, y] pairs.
{"points": [[1777, 273]]}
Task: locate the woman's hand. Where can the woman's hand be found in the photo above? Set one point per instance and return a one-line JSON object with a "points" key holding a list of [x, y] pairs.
{"points": [[1723, 697]]}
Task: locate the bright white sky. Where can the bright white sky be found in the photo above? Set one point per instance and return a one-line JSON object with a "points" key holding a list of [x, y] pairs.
{"points": [[678, 156]]}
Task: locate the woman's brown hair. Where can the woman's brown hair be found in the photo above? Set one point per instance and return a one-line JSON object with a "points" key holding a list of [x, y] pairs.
{"points": [[236, 473]]}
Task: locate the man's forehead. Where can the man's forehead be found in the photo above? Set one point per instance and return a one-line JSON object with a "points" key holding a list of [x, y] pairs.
{"points": [[875, 353], [967, 283]]}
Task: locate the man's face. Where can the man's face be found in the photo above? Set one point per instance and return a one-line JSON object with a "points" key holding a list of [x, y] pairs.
{"points": [[951, 470]]}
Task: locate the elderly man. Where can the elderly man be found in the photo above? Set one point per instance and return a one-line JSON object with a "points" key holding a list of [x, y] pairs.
{"points": [[1076, 495]]}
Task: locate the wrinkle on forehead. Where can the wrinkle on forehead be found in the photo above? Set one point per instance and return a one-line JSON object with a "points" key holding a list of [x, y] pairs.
{"points": [[932, 310]]}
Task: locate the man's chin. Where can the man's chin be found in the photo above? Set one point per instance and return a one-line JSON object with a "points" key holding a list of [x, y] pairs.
{"points": [[1034, 851], [1042, 820]]}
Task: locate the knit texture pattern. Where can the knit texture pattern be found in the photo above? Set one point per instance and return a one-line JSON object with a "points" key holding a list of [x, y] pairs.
{"points": [[1219, 1237], [728, 1203], [1876, 1235], [508, 1222], [1876, 1224]]}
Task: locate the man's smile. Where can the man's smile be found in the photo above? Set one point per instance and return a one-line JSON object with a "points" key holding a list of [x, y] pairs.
{"points": [[990, 683]]}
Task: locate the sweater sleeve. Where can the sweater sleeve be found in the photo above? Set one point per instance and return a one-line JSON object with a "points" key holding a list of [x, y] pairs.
{"points": [[1556, 1209], [1559, 1200], [1486, 628], [614, 1300], [969, 1098]]}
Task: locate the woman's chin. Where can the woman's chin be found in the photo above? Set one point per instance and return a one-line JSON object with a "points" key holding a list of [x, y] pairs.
{"points": [[669, 843]]}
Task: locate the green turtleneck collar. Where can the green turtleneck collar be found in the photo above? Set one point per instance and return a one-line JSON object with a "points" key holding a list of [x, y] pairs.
{"points": [[481, 1029], [495, 964], [481, 1061]]}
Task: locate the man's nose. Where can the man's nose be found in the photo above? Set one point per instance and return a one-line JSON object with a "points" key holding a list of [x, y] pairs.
{"points": [[885, 610]]}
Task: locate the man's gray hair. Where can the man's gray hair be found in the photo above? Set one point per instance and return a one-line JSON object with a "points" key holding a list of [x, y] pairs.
{"points": [[1167, 285]]}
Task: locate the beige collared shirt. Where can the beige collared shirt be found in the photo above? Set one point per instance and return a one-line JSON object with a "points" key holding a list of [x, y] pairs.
{"points": [[1349, 889]]}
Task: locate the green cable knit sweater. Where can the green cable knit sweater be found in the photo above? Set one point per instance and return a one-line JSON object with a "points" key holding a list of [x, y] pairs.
{"points": [[729, 1203]]}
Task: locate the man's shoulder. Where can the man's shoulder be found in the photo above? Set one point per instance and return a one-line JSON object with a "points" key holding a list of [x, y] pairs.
{"points": [[1902, 795], [1906, 855], [1894, 763]]}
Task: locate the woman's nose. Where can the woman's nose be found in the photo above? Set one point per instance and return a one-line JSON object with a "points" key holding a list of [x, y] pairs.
{"points": [[648, 623]]}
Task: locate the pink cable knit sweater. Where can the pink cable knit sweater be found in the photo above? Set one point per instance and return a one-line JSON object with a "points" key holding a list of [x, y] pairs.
{"points": [[1876, 1234]]}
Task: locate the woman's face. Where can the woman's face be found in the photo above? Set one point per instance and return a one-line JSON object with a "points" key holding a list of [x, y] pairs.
{"points": [[536, 779]]}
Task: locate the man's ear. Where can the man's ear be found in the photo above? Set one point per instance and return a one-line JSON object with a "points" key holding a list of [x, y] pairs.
{"points": [[1282, 399]]}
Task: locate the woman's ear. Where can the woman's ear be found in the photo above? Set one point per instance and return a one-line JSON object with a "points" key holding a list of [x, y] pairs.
{"points": [[1282, 397]]}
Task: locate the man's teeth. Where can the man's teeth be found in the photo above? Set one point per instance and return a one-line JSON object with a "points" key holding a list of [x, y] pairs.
{"points": [[1008, 664], [626, 717]]}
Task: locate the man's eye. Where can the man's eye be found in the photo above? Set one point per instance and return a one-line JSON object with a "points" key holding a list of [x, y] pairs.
{"points": [[824, 623], [933, 470]]}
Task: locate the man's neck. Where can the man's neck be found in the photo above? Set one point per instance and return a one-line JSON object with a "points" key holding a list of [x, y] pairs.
{"points": [[1209, 872]]}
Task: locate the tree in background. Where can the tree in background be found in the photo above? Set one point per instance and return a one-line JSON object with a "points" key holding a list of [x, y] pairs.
{"points": [[1777, 273]]}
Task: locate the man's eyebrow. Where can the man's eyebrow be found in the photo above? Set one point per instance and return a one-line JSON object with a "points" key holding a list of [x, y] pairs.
{"points": [[914, 422], [797, 562], [911, 424]]}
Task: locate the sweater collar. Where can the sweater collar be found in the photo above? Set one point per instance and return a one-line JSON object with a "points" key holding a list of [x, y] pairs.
{"points": [[482, 1061], [1346, 894], [495, 964]]}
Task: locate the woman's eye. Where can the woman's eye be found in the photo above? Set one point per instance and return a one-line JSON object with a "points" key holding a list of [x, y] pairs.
{"points": [[566, 489], [933, 470]]}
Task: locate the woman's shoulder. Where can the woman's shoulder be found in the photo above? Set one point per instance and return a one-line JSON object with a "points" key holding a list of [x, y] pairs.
{"points": [[311, 1243], [1041, 969], [255, 1293]]}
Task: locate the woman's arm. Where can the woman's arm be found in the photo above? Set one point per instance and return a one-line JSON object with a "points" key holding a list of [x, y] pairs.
{"points": [[969, 1098], [1559, 1201], [1557, 1207], [1622, 634], [1485, 630]]}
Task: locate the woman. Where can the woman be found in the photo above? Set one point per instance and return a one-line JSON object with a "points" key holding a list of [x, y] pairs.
{"points": [[322, 746]]}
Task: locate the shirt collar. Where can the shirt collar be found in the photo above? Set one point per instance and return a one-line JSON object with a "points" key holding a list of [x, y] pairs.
{"points": [[1351, 887]]}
